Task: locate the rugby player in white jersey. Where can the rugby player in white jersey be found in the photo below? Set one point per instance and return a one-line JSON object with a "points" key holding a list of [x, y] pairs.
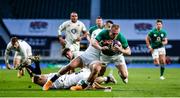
{"points": [[67, 81], [90, 58], [72, 29], [22, 52]]}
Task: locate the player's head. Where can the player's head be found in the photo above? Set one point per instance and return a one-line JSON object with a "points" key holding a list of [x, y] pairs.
{"points": [[39, 79], [67, 53], [14, 41], [74, 17], [99, 21], [114, 31], [108, 24], [159, 24]]}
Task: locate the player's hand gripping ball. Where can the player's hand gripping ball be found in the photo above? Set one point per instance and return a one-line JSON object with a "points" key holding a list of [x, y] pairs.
{"points": [[115, 45], [116, 42]]}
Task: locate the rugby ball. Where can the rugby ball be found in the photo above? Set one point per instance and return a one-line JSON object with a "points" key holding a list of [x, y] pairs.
{"points": [[116, 42]]}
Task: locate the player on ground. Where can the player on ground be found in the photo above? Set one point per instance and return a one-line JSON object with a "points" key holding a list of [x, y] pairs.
{"points": [[68, 80], [72, 29], [113, 53], [156, 41], [22, 52]]}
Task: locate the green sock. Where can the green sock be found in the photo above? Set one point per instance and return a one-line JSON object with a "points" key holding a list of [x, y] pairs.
{"points": [[162, 68]]}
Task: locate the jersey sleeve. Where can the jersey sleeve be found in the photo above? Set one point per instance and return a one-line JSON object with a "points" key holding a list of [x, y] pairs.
{"points": [[83, 27], [123, 41], [99, 37], [62, 27], [7, 51], [91, 30], [150, 33], [165, 34]]}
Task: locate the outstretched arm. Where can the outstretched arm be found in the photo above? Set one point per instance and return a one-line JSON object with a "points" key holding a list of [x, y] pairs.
{"points": [[98, 86], [6, 57]]}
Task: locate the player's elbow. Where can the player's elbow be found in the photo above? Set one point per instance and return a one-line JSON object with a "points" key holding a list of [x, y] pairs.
{"points": [[128, 52]]}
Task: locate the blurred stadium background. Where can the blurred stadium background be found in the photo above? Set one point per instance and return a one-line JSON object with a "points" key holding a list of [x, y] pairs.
{"points": [[37, 21]]}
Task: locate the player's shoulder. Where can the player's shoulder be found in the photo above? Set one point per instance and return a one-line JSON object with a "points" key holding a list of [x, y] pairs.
{"points": [[85, 69], [97, 30], [93, 27], [67, 22], [9, 45], [153, 30], [80, 22], [121, 36], [21, 41], [163, 30], [105, 31]]}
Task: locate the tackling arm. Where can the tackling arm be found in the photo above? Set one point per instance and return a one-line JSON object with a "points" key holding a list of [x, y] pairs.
{"points": [[95, 44], [6, 58], [98, 86]]}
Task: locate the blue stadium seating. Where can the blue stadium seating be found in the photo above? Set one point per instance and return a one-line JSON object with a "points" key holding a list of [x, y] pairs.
{"points": [[140, 9]]}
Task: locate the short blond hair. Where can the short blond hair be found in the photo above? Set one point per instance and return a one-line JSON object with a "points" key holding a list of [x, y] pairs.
{"points": [[115, 26]]}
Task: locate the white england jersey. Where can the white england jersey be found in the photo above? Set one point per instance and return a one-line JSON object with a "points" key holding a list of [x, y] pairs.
{"points": [[24, 50], [72, 31], [95, 33], [68, 80], [77, 53], [91, 54]]}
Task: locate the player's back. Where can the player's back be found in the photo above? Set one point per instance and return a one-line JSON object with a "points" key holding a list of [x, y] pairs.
{"points": [[24, 44]]}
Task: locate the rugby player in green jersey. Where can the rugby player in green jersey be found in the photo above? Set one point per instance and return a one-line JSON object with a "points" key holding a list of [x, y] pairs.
{"points": [[156, 40], [99, 25], [113, 45]]}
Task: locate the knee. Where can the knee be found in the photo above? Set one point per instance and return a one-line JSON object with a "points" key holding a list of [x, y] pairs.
{"points": [[102, 71], [162, 60], [156, 62], [96, 69]]}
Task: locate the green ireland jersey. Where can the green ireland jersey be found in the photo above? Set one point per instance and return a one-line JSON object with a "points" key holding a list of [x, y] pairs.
{"points": [[156, 37], [104, 40], [93, 28]]}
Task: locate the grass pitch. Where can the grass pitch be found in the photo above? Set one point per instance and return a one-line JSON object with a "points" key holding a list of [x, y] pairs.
{"points": [[142, 82]]}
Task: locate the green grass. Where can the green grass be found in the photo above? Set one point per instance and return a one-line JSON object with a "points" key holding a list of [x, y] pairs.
{"points": [[142, 82]]}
